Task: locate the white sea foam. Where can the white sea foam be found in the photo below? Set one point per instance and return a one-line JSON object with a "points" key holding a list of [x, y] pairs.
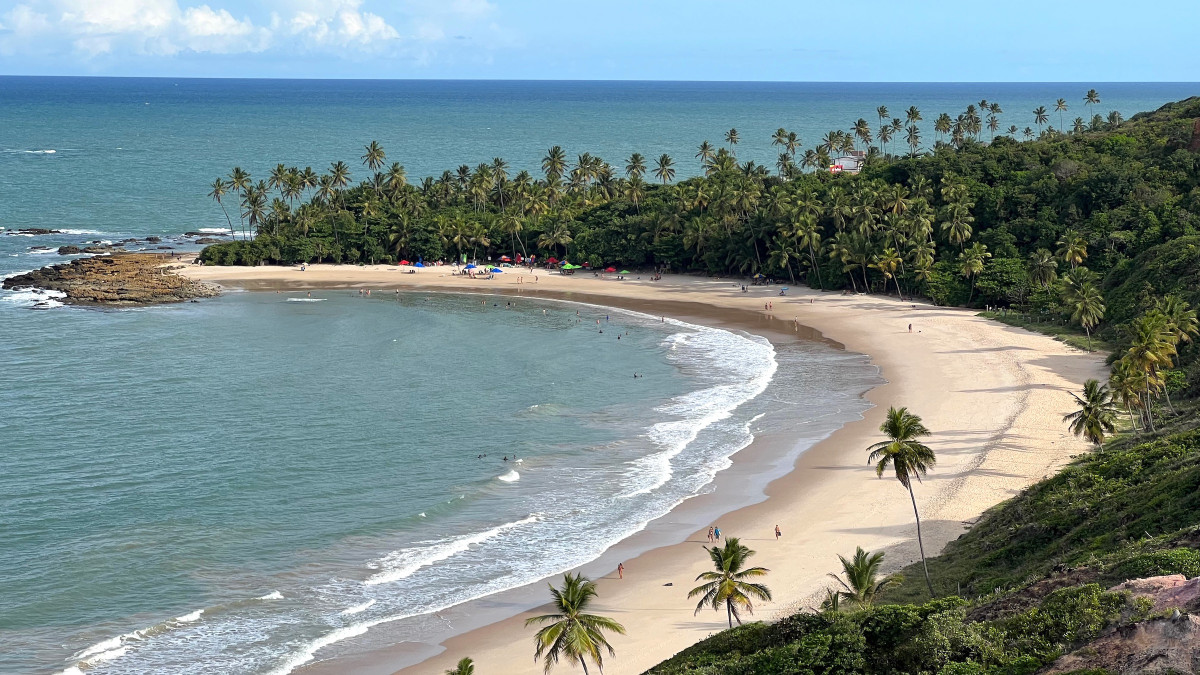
{"points": [[213, 229], [405, 562], [510, 477], [72, 231], [30, 152], [357, 609], [306, 299], [746, 365], [310, 650], [30, 297], [273, 595], [190, 618]]}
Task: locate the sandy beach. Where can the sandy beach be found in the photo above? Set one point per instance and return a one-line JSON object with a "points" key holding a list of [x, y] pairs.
{"points": [[993, 396]]}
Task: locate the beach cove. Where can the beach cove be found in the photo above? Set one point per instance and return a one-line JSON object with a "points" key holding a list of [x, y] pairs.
{"points": [[993, 396]]}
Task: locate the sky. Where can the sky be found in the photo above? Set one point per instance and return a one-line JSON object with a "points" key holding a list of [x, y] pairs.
{"points": [[773, 40]]}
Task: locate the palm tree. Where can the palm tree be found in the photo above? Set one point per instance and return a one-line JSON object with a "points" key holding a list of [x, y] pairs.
{"points": [[705, 154], [554, 163], [465, 667], [728, 584], [1091, 98], [1114, 119], [1060, 106], [1039, 116], [887, 263], [908, 457], [1042, 267], [1087, 308], [1096, 415], [374, 156], [572, 632], [731, 137], [862, 583], [1151, 349], [558, 235], [1072, 248], [636, 168], [971, 263], [808, 235], [664, 169], [219, 189]]}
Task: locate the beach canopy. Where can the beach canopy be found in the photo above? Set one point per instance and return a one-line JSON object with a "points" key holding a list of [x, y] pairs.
{"points": [[624, 272], [471, 266], [552, 259], [611, 269], [505, 258], [419, 265], [404, 262], [759, 276], [497, 269]]}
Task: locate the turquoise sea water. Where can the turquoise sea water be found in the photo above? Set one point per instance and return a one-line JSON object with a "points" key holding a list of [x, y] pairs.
{"points": [[231, 485]]}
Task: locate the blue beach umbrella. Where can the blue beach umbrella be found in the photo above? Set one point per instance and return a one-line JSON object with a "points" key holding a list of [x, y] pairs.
{"points": [[471, 266], [419, 265], [497, 269]]}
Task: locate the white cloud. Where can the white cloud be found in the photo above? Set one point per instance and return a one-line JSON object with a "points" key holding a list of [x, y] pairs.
{"points": [[106, 33]]}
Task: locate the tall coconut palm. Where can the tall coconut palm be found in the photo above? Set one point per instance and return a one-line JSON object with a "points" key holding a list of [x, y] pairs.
{"points": [[1151, 349], [464, 667], [1181, 318], [219, 189], [558, 235], [888, 262], [1092, 97], [1043, 269], [636, 167], [1060, 106], [808, 236], [705, 154], [861, 584], [728, 583], [1072, 248], [731, 137], [664, 168], [554, 164], [908, 458], [571, 632], [1087, 308], [971, 263], [1040, 117], [374, 156], [1096, 415]]}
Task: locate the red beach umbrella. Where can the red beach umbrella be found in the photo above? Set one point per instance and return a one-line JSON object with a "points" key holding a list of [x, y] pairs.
{"points": [[403, 262], [552, 260], [611, 269]]}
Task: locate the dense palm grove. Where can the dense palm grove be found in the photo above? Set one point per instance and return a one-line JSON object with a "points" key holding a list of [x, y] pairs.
{"points": [[1096, 226]]}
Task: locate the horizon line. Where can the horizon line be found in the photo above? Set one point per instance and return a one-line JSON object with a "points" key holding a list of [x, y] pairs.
{"points": [[583, 80]]}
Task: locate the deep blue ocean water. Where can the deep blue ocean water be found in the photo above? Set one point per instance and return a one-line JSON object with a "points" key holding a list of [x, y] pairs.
{"points": [[228, 486]]}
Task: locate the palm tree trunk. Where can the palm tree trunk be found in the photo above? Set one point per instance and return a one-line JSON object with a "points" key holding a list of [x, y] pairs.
{"points": [[898, 291], [920, 544], [729, 613], [1149, 410], [584, 664], [227, 219], [816, 267]]}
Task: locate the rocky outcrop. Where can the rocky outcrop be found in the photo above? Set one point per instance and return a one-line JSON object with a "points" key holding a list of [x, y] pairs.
{"points": [[208, 240], [120, 279], [1156, 647], [69, 250], [1173, 591], [33, 230]]}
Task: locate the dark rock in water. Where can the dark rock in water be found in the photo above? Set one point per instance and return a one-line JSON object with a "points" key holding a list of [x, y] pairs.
{"points": [[97, 249], [208, 240], [119, 279], [165, 248], [34, 230], [69, 250], [39, 248], [127, 241], [153, 240]]}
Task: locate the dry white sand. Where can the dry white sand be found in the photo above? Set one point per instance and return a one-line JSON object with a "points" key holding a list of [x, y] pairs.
{"points": [[993, 395]]}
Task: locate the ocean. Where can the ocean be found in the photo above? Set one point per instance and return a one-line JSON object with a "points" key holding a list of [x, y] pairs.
{"points": [[250, 482]]}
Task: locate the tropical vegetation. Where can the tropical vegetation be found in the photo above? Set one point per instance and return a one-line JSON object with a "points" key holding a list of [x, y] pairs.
{"points": [[572, 633], [729, 583]]}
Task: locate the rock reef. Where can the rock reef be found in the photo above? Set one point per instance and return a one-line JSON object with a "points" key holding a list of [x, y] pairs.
{"points": [[120, 279]]}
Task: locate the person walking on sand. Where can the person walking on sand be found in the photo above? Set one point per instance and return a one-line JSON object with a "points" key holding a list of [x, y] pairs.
{"points": [[710, 534], [621, 570], [778, 534], [910, 327], [717, 533]]}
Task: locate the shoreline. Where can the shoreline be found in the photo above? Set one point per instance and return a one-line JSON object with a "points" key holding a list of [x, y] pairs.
{"points": [[992, 394]]}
